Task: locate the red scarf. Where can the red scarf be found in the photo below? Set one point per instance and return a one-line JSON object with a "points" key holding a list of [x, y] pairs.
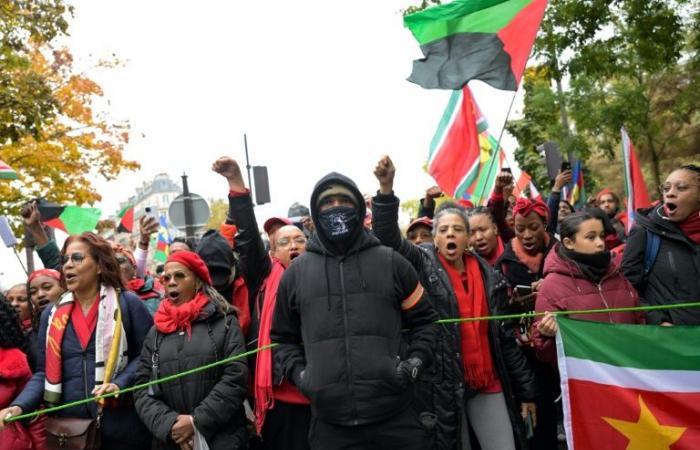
{"points": [[170, 318], [691, 227], [471, 302], [533, 262], [27, 325], [85, 324], [264, 395], [496, 253]]}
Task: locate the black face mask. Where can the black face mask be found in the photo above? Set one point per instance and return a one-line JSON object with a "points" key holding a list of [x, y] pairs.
{"points": [[338, 223]]}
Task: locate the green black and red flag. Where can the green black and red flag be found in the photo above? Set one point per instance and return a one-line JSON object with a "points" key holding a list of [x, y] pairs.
{"points": [[126, 224], [488, 40], [71, 219]]}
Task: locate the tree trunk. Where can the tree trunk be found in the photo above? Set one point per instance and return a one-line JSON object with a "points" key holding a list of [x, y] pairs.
{"points": [[655, 164]]}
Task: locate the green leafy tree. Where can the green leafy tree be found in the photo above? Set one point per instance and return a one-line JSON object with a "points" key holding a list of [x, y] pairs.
{"points": [[605, 64]]}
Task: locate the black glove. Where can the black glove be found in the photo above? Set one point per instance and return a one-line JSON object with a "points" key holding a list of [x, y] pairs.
{"points": [[407, 370]]}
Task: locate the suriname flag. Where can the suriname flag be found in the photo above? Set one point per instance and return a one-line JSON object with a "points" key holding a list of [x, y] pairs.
{"points": [[629, 387]]}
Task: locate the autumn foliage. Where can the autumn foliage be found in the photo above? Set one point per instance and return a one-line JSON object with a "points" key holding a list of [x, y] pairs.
{"points": [[52, 133]]}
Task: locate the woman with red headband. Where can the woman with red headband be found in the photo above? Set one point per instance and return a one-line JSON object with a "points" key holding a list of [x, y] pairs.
{"points": [[522, 263], [194, 326], [44, 288]]}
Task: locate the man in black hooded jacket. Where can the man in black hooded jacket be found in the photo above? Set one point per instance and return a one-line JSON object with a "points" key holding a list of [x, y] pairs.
{"points": [[341, 309]]}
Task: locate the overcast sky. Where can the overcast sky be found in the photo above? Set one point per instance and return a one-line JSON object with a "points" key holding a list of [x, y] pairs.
{"points": [[318, 86]]}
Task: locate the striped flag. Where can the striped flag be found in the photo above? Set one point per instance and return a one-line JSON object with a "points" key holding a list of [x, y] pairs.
{"points": [[163, 241], [635, 188], [629, 387], [454, 156], [6, 172], [534, 192], [577, 196]]}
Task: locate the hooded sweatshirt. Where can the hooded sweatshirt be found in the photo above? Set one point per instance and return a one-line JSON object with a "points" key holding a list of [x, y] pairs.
{"points": [[217, 254], [339, 319]]}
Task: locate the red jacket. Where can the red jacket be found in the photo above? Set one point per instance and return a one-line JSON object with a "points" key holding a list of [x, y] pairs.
{"points": [[566, 288], [14, 374]]}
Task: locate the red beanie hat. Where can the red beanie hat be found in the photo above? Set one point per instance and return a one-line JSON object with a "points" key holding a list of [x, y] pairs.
{"points": [[192, 261], [524, 206], [55, 274]]}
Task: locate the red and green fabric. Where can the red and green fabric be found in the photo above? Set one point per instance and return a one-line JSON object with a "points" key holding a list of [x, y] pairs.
{"points": [[629, 387], [488, 40], [71, 219], [126, 216], [6, 172], [453, 161], [635, 189]]}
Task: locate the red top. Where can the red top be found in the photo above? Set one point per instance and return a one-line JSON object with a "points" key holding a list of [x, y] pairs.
{"points": [[84, 325]]}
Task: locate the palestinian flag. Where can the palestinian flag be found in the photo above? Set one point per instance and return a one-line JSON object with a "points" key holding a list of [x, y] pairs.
{"points": [[635, 188], [488, 40], [126, 224], [453, 161], [629, 387], [6, 172], [71, 219]]}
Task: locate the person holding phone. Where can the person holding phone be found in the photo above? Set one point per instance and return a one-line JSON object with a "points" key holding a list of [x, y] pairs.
{"points": [[580, 274], [558, 206]]}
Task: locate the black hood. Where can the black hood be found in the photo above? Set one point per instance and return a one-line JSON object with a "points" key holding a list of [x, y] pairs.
{"points": [[217, 254], [323, 184]]}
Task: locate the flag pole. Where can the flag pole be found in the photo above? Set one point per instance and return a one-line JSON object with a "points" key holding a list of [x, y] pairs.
{"points": [[14, 249], [500, 136]]}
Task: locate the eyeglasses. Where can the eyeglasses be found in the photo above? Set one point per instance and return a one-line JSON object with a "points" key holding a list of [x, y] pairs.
{"points": [[76, 257], [285, 242], [166, 277], [680, 187]]}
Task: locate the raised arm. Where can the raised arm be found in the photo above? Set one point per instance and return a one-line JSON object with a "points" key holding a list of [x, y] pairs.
{"points": [[249, 244], [385, 214]]}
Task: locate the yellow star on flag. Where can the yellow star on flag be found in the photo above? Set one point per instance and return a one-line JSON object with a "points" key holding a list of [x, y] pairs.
{"points": [[647, 433]]}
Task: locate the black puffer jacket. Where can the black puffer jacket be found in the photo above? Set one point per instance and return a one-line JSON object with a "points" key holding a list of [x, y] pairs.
{"points": [[675, 275], [339, 318], [444, 390], [213, 397]]}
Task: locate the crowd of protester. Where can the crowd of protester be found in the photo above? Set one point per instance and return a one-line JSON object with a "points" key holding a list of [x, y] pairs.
{"points": [[348, 310]]}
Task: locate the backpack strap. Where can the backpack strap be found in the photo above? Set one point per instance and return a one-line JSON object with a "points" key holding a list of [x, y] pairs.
{"points": [[651, 251]]}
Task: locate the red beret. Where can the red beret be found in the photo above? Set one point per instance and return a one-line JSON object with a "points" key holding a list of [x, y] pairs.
{"points": [[192, 261]]}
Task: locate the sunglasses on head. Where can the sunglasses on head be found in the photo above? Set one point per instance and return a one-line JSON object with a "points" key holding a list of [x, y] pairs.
{"points": [[166, 277], [76, 257]]}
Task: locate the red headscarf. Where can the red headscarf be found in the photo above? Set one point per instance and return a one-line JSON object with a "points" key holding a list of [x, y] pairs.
{"points": [[525, 206], [55, 274], [192, 261]]}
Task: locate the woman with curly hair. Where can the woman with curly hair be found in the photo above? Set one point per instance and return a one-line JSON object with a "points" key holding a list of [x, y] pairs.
{"points": [[77, 358], [14, 375]]}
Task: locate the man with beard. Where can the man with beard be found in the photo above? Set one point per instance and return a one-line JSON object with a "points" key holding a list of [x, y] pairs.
{"points": [[609, 202], [341, 308]]}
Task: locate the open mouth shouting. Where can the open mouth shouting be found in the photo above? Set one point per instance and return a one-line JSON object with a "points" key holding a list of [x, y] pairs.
{"points": [[671, 209], [71, 278]]}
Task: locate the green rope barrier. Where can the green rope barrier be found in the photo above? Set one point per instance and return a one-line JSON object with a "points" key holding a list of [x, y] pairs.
{"points": [[257, 350], [566, 313], [139, 386]]}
